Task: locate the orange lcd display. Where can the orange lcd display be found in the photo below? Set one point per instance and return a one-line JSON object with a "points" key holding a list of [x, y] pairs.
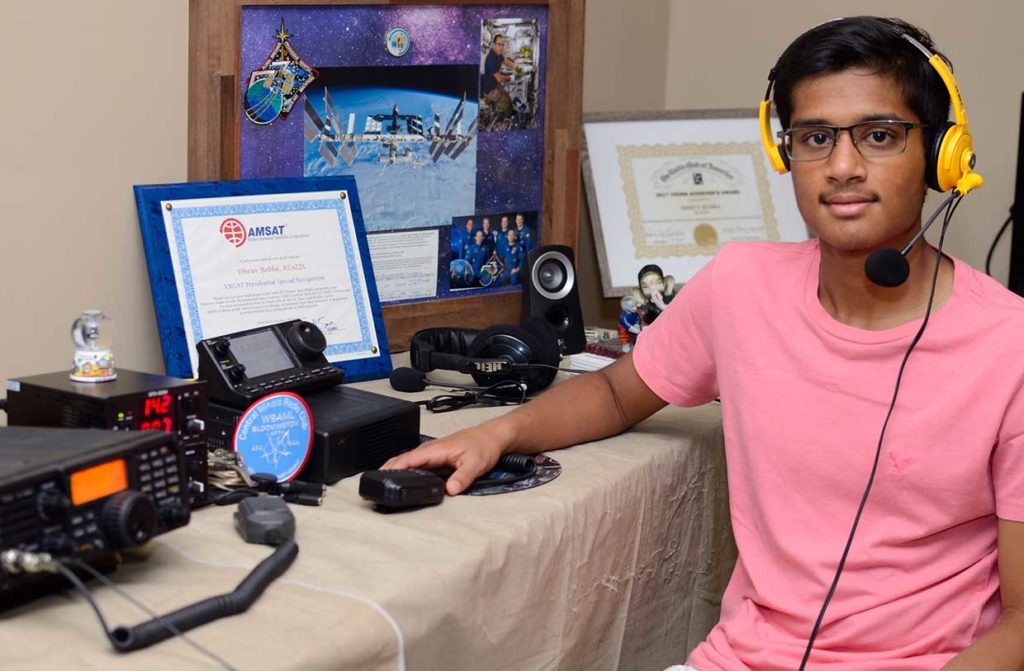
{"points": [[98, 481]]}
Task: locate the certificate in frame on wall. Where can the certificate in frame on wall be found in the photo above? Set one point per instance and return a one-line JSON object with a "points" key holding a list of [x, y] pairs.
{"points": [[671, 188]]}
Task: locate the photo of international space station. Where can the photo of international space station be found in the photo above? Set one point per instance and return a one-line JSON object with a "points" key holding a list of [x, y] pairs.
{"points": [[408, 134], [393, 131]]}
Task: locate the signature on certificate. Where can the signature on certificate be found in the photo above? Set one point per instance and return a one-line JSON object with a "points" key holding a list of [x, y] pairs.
{"points": [[326, 325]]}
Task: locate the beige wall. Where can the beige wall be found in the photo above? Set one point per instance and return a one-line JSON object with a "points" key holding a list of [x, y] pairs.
{"points": [[625, 67], [95, 100]]}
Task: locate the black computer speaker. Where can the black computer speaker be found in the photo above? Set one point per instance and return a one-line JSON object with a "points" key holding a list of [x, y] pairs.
{"points": [[550, 292]]}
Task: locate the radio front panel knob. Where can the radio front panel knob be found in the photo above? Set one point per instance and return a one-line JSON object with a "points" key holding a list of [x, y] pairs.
{"points": [[51, 504], [220, 347], [237, 372], [129, 518], [307, 340]]}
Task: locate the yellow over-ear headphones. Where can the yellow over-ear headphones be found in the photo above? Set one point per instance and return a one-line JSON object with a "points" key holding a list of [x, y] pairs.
{"points": [[950, 160]]}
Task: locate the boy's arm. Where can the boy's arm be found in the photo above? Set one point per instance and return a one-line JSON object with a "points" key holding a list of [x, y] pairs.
{"points": [[1002, 647], [585, 408]]}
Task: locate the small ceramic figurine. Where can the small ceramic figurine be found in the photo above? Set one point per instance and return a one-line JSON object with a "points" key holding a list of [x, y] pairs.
{"points": [[629, 322], [94, 360], [654, 292]]}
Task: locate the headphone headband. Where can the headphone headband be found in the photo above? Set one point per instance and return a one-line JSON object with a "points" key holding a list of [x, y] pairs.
{"points": [[440, 348], [942, 67]]}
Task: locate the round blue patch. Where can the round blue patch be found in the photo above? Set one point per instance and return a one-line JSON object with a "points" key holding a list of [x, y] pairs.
{"points": [[274, 435], [398, 41], [263, 102]]}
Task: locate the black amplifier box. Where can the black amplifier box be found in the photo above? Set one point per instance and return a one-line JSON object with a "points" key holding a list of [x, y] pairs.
{"points": [[353, 431], [133, 402], [85, 493]]}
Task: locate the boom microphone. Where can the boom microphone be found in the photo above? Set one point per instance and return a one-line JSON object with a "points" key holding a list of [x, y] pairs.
{"points": [[888, 266], [411, 380]]}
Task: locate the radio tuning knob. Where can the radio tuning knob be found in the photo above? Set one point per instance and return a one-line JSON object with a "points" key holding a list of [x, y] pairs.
{"points": [[237, 372], [129, 518], [51, 504], [306, 340], [220, 346]]}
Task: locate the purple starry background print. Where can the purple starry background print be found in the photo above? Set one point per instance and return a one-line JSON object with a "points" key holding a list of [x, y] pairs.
{"points": [[509, 163]]}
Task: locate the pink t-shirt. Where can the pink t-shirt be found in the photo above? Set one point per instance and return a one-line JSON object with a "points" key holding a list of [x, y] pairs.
{"points": [[803, 401]]}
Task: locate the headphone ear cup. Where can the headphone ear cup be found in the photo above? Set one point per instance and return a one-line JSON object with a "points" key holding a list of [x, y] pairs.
{"points": [[783, 156], [776, 156], [517, 345], [547, 340], [933, 160]]}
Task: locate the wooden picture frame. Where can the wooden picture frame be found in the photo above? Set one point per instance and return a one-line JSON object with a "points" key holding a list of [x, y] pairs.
{"points": [[214, 130], [615, 144]]}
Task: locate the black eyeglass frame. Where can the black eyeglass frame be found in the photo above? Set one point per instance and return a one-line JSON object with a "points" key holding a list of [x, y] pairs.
{"points": [[786, 137]]}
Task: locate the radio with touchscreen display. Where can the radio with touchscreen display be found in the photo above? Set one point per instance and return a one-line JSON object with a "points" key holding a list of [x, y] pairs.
{"points": [[244, 366]]}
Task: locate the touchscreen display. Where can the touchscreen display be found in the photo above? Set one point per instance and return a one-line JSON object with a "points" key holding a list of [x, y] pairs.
{"points": [[261, 353]]}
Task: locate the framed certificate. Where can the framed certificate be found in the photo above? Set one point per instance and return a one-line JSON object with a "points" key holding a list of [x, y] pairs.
{"points": [[670, 188], [231, 256]]}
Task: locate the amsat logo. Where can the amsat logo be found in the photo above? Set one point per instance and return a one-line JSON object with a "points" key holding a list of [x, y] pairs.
{"points": [[236, 233]]}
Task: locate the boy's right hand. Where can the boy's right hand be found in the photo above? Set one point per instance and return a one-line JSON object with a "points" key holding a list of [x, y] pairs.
{"points": [[471, 452]]}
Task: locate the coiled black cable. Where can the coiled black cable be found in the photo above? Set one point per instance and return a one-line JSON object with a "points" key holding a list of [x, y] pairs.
{"points": [[128, 639], [510, 468]]}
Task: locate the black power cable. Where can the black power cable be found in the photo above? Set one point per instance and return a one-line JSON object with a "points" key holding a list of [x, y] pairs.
{"points": [[999, 235], [950, 209], [506, 392]]}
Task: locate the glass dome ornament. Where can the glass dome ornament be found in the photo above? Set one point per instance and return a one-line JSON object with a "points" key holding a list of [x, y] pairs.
{"points": [[92, 334]]}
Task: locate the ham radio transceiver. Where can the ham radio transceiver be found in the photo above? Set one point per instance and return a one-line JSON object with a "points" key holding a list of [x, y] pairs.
{"points": [[245, 366], [133, 402], [83, 494]]}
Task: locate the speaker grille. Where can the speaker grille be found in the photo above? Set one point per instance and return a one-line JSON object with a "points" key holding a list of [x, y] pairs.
{"points": [[552, 275], [552, 295]]}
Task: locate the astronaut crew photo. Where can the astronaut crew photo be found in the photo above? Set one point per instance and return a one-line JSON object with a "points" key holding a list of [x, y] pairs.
{"points": [[490, 250]]}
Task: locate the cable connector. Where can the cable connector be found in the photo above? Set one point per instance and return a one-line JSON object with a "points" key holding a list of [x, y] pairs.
{"points": [[15, 561], [303, 498]]}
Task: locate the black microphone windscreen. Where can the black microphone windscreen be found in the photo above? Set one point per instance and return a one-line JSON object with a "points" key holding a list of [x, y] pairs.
{"points": [[408, 380], [887, 267]]}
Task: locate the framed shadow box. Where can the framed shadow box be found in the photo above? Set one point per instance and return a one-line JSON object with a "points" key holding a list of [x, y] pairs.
{"points": [[454, 119]]}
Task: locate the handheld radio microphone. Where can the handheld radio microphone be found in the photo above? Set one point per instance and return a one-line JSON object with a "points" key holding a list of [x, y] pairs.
{"points": [[888, 266]]}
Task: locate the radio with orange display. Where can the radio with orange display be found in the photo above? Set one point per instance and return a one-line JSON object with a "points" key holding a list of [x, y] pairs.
{"points": [[135, 401], [85, 493]]}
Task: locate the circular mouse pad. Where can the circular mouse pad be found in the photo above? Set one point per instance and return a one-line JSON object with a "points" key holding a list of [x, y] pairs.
{"points": [[547, 470]]}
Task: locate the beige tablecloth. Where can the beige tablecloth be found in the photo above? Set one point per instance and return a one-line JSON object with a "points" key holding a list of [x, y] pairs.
{"points": [[618, 563]]}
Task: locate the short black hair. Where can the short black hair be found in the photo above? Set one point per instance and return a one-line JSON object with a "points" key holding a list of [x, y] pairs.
{"points": [[872, 43]]}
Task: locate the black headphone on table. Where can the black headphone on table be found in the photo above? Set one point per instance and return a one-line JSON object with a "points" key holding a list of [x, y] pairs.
{"points": [[528, 353]]}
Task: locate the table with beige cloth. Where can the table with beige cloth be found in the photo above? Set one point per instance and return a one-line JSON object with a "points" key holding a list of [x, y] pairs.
{"points": [[619, 563]]}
